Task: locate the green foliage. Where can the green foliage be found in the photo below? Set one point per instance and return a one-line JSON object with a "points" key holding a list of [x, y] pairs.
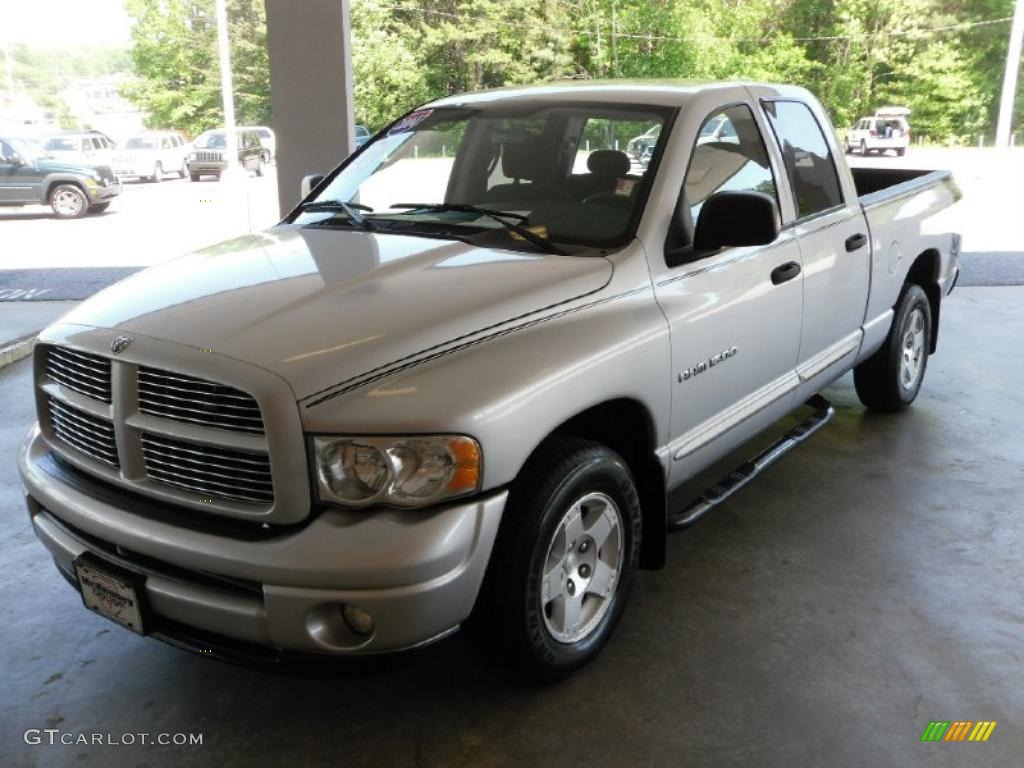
{"points": [[408, 51], [178, 74]]}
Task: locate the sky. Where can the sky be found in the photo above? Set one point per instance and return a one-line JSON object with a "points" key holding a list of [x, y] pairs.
{"points": [[53, 23]]}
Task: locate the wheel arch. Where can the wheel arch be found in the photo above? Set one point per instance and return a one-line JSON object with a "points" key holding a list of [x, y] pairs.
{"points": [[626, 426], [924, 272], [52, 181]]}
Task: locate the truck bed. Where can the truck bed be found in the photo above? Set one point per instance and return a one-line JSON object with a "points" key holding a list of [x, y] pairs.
{"points": [[877, 185]]}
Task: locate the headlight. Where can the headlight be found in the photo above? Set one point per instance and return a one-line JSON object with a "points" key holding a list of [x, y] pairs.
{"points": [[399, 471]]}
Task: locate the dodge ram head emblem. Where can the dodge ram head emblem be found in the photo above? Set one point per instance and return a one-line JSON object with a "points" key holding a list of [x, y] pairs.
{"points": [[120, 344]]}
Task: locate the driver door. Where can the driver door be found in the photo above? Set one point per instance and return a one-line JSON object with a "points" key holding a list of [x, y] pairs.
{"points": [[735, 313]]}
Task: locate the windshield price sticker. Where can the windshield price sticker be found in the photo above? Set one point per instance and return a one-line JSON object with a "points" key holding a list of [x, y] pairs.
{"points": [[409, 122]]}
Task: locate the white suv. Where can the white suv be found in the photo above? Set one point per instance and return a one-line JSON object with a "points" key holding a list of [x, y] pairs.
{"points": [[151, 154], [887, 129]]}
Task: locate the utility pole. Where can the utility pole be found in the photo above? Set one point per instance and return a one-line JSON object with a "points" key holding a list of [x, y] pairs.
{"points": [[227, 89], [1003, 127]]}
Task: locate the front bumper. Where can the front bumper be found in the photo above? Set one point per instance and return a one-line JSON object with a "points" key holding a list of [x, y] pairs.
{"points": [[416, 572], [97, 193], [207, 167]]}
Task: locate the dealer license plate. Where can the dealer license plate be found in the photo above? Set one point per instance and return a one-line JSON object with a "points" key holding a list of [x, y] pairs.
{"points": [[116, 595]]}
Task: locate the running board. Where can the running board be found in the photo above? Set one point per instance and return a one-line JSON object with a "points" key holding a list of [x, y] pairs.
{"points": [[743, 474]]}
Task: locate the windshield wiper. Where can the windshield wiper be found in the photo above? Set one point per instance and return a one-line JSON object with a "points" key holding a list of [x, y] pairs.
{"points": [[502, 217], [352, 210]]}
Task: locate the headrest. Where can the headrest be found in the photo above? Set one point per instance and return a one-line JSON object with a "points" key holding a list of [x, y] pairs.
{"points": [[522, 160], [608, 162]]}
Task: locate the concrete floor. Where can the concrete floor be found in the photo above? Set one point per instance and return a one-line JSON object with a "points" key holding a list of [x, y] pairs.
{"points": [[867, 584]]}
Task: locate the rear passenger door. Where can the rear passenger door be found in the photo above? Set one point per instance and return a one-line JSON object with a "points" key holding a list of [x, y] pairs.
{"points": [[833, 238]]}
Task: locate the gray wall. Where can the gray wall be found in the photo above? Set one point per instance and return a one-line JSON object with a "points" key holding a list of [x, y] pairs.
{"points": [[310, 89]]}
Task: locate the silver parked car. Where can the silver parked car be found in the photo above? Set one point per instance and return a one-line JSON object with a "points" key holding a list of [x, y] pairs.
{"points": [[456, 384]]}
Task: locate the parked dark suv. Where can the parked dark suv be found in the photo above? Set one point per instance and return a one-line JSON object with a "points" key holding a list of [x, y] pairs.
{"points": [[207, 157], [29, 175]]}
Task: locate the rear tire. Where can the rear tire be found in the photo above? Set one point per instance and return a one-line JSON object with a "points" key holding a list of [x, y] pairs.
{"points": [[863, 147], [890, 379], [901, 152], [563, 562], [158, 173]]}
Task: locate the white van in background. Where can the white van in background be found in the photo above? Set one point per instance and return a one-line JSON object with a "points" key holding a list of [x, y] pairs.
{"points": [[887, 129]]}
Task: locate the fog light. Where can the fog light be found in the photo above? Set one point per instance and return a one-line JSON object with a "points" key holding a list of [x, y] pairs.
{"points": [[358, 620]]}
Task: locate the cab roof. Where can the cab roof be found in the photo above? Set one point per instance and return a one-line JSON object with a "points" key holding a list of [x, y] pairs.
{"points": [[656, 92]]}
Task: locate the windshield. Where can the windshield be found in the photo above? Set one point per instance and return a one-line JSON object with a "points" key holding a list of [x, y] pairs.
{"points": [[566, 171], [141, 143], [212, 140], [27, 149]]}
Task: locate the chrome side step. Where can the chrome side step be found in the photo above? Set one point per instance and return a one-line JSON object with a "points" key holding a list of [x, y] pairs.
{"points": [[743, 474]]}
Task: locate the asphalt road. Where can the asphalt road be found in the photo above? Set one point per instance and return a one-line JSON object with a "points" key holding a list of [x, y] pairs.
{"points": [[45, 259]]}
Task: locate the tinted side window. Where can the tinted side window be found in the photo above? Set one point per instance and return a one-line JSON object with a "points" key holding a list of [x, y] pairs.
{"points": [[729, 156], [809, 163]]}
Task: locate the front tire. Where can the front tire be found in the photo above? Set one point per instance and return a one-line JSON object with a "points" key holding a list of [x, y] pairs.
{"points": [[563, 563], [863, 148], [68, 201], [890, 379], [194, 176], [158, 174]]}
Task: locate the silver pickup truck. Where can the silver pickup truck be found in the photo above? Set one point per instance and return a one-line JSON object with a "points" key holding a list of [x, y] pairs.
{"points": [[455, 385]]}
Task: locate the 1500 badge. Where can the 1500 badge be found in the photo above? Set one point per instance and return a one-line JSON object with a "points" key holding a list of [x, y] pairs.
{"points": [[711, 362]]}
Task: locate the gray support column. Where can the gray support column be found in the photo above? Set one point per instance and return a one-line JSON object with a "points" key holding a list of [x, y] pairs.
{"points": [[310, 89]]}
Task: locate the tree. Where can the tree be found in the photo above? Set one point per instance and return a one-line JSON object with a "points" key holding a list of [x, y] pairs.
{"points": [[174, 51], [856, 55], [388, 76]]}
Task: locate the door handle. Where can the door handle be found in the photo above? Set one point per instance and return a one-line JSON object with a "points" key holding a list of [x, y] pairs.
{"points": [[785, 272], [856, 242]]}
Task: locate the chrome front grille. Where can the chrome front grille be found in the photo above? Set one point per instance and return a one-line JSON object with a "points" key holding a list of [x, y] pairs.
{"points": [[206, 469], [209, 157], [163, 433], [84, 432], [80, 371], [184, 398]]}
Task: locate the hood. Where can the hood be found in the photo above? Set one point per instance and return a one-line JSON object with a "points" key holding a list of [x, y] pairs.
{"points": [[60, 165], [321, 306]]}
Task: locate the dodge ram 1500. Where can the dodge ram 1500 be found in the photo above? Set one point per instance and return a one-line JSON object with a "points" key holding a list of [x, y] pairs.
{"points": [[454, 386]]}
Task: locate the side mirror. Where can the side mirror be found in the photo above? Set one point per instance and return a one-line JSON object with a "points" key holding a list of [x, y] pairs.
{"points": [[736, 219], [308, 182]]}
